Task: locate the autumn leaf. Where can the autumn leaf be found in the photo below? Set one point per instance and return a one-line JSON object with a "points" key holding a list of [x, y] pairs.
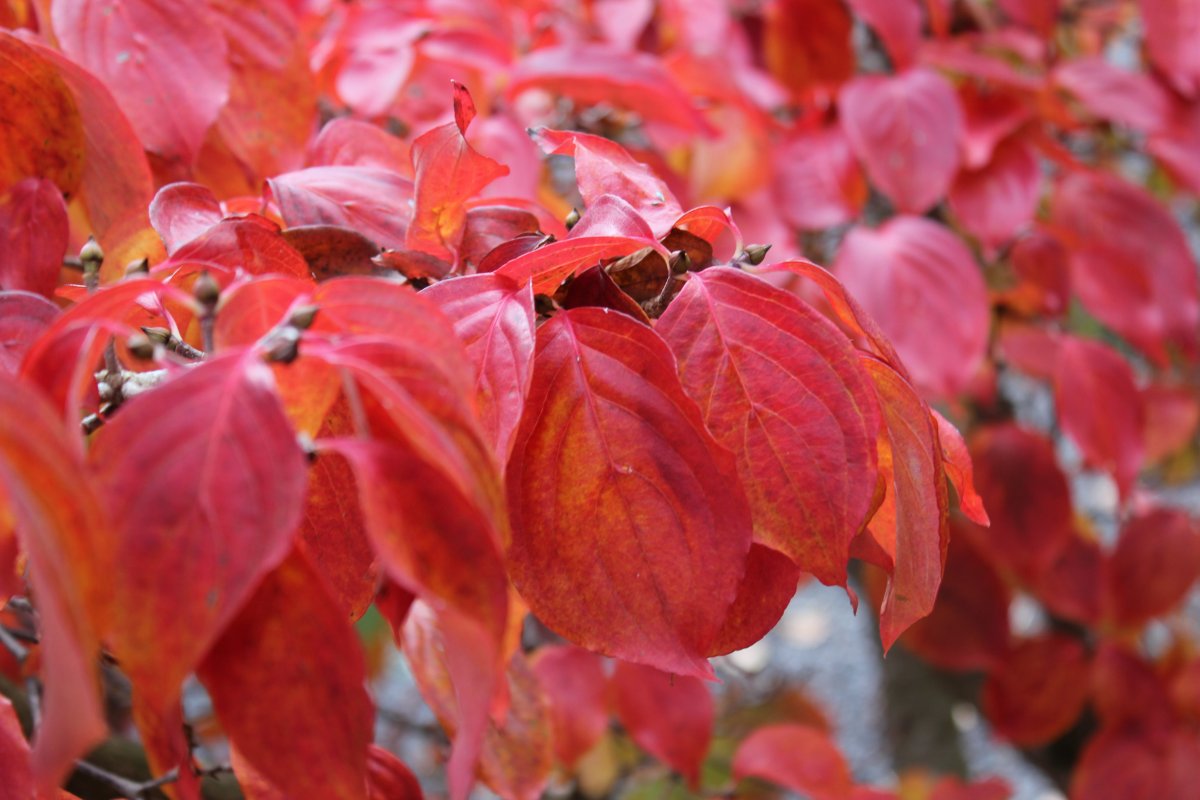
{"points": [[275, 714], [205, 483], [448, 172], [165, 61], [781, 388], [905, 128], [41, 111], [616, 484]]}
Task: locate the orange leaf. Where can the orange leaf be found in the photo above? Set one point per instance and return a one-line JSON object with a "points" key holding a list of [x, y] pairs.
{"points": [[63, 529], [43, 133], [911, 524], [448, 173]]}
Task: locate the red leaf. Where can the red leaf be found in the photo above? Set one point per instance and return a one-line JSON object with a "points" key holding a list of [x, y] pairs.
{"points": [[957, 462], [388, 778], [448, 173], [182, 212], [609, 215], [348, 142], [595, 287], [1100, 407], [796, 757], [457, 674], [818, 181], [806, 45], [372, 201], [1071, 586], [206, 483], [668, 716], [33, 236], [921, 283], [489, 226], [1111, 228], [249, 310], [56, 512], [1171, 30], [333, 534], [781, 388], [1043, 283], [996, 202], [493, 316], [905, 128], [549, 266], [1155, 563], [1126, 690], [62, 360], [252, 243], [301, 735], [1138, 765], [576, 688], [518, 753], [14, 756], [898, 25], [164, 61], [911, 524], [1038, 691], [615, 482], [766, 589], [1026, 495], [849, 315], [991, 115], [43, 133], [379, 48], [1172, 418], [593, 73], [23, 317], [603, 167], [968, 627], [430, 536]]}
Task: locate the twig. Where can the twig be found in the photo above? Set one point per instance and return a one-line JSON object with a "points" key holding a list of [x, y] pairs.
{"points": [[132, 790], [10, 643]]}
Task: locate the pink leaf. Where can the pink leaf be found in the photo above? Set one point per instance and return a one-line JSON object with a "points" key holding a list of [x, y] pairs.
{"points": [[905, 128], [921, 283], [164, 61]]}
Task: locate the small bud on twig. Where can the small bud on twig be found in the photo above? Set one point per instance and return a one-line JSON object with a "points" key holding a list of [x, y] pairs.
{"points": [[754, 254], [91, 256], [206, 290], [302, 318], [140, 266], [141, 346], [680, 262]]}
